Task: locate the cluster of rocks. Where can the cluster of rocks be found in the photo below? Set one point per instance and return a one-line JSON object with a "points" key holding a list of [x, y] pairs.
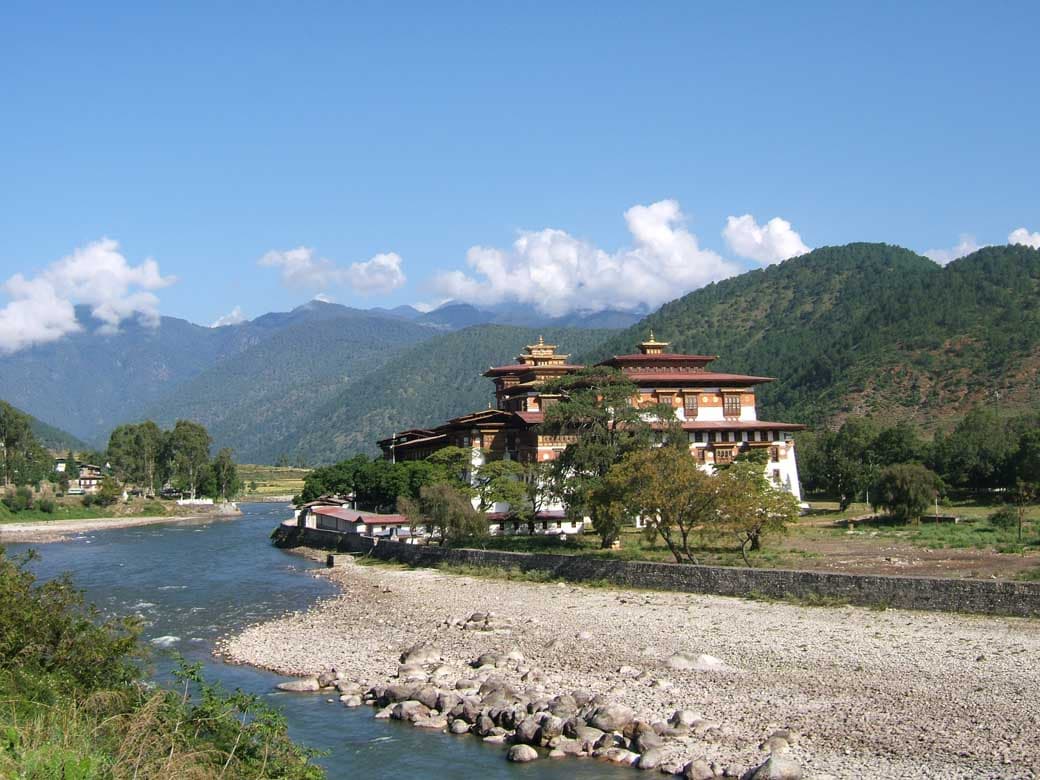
{"points": [[430, 693]]}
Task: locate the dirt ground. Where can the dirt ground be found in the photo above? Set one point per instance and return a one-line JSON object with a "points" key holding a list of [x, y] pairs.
{"points": [[863, 553]]}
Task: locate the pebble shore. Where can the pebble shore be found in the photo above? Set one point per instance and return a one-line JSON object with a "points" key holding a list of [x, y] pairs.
{"points": [[724, 684]]}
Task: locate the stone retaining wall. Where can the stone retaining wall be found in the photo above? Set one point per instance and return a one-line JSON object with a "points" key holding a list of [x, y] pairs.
{"points": [[949, 595]]}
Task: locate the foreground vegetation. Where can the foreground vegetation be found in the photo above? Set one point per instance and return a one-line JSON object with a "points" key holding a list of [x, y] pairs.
{"points": [[74, 703]]}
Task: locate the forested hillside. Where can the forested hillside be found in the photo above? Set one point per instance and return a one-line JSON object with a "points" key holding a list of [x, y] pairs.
{"points": [[253, 400], [52, 438], [869, 329], [428, 384]]}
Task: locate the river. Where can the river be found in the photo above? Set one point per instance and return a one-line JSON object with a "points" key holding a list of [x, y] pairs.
{"points": [[193, 582]]}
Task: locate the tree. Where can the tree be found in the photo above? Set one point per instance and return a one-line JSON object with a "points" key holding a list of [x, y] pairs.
{"points": [[667, 489], [497, 482], [847, 460], [225, 473], [1027, 473], [898, 444], [906, 490], [536, 484], [338, 479], [109, 493], [190, 444], [977, 453], [446, 511], [597, 408], [750, 506], [23, 460]]}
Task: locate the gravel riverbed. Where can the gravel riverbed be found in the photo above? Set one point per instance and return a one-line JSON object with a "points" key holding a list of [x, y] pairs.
{"points": [[860, 693]]}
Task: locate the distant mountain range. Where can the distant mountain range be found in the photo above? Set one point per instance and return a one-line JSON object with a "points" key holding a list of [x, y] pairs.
{"points": [[864, 329], [252, 384]]}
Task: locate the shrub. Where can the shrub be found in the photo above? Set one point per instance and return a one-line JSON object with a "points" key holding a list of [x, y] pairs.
{"points": [[18, 499], [906, 490], [46, 505], [1004, 518], [88, 500], [109, 493]]}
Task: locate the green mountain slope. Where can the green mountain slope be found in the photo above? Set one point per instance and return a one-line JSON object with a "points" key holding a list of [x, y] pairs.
{"points": [[55, 438], [425, 385], [869, 329], [254, 399]]}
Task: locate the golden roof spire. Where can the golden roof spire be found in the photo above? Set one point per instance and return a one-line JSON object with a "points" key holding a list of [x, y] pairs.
{"points": [[652, 346]]}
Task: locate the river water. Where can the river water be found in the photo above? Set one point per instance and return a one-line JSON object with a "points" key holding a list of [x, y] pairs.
{"points": [[194, 582]]}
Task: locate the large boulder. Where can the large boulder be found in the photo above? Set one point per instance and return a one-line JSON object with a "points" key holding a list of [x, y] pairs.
{"points": [[776, 767], [521, 754], [421, 653], [428, 695], [698, 769], [612, 717], [564, 706], [651, 759], [527, 731], [411, 711], [302, 685]]}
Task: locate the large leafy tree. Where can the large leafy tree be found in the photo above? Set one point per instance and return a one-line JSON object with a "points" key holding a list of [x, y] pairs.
{"points": [[499, 481], [847, 461], [906, 490], [134, 453], [667, 489], [597, 407], [23, 459], [750, 506], [446, 512], [189, 444], [225, 474]]}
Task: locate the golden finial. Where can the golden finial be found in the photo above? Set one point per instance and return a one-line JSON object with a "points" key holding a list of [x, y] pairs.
{"points": [[541, 341]]}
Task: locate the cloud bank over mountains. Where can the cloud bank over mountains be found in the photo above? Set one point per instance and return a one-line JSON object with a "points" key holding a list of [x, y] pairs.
{"points": [[42, 307], [300, 268], [550, 269], [559, 273]]}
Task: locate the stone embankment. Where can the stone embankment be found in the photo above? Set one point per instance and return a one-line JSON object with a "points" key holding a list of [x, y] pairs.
{"points": [[693, 685]]}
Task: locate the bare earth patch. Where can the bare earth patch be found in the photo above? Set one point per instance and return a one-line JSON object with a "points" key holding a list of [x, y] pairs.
{"points": [[873, 694]]}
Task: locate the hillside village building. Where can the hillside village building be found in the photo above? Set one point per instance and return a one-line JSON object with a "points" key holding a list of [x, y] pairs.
{"points": [[716, 410]]}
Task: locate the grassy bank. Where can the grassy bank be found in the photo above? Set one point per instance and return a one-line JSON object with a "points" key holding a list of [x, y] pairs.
{"points": [[73, 703], [71, 508]]}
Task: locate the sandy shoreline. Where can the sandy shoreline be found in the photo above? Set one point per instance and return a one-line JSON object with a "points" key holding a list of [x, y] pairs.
{"points": [[872, 694], [44, 531]]}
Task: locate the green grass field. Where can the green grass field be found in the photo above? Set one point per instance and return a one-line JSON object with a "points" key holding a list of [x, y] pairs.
{"points": [[259, 481]]}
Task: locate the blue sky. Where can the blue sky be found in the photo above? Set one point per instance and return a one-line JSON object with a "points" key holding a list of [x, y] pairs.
{"points": [[208, 135]]}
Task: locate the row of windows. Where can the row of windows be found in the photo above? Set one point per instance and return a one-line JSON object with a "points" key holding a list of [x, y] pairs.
{"points": [[711, 437]]}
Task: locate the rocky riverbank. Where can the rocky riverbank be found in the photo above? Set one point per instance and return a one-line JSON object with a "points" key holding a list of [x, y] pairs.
{"points": [[699, 685]]}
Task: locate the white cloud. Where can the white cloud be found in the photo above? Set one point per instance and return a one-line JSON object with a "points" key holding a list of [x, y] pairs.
{"points": [[300, 268], [1023, 236], [965, 246], [41, 308], [766, 244], [323, 298], [558, 273], [233, 317]]}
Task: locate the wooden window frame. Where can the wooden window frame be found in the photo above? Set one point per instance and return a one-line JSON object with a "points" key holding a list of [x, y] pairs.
{"points": [[728, 400]]}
